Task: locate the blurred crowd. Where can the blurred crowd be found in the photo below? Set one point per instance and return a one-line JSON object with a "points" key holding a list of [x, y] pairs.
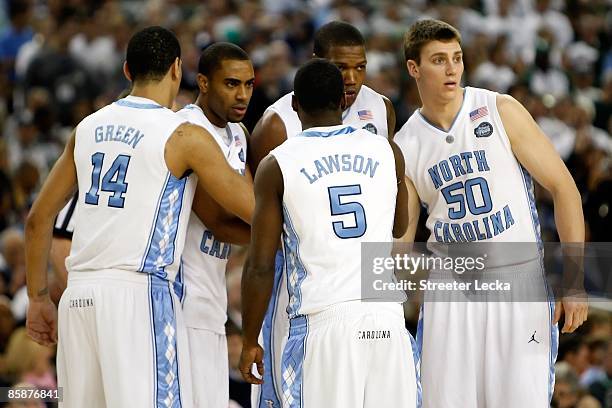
{"points": [[62, 59]]}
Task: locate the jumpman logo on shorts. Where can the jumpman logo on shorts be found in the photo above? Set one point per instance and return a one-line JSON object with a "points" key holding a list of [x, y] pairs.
{"points": [[533, 338]]}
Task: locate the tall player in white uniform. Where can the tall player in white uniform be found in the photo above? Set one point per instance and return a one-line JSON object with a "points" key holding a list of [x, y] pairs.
{"points": [[343, 45], [470, 154], [122, 341], [225, 80], [325, 191]]}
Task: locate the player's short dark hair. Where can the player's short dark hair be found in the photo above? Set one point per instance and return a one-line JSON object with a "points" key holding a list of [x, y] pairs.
{"points": [[336, 33], [214, 54], [151, 52], [425, 31], [318, 86]]}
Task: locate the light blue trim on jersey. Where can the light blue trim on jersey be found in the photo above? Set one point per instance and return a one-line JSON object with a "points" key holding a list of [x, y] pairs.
{"points": [[192, 106], [268, 393], [161, 247], [416, 356], [529, 191], [450, 129], [554, 329], [132, 104], [167, 386], [554, 349], [417, 352], [293, 363], [179, 284], [342, 131], [296, 272]]}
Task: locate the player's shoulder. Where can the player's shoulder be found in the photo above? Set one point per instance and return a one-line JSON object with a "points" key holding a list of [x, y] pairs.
{"points": [[369, 92], [282, 104], [410, 130], [190, 111]]}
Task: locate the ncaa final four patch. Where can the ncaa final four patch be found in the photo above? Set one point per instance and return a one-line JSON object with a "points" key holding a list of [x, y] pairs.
{"points": [[485, 129], [479, 113], [370, 128]]}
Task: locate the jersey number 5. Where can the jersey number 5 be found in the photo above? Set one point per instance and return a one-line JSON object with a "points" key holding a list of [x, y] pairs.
{"points": [[112, 182], [337, 207]]}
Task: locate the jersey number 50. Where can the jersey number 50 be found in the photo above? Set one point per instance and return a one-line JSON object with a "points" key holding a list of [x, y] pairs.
{"points": [[112, 182], [468, 195], [337, 207]]}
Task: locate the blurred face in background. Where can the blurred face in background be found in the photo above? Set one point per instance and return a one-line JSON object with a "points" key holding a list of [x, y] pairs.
{"points": [[228, 91], [351, 60], [439, 71]]}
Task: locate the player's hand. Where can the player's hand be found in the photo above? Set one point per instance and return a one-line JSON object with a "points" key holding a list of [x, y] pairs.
{"points": [[575, 309], [251, 355], [41, 322]]}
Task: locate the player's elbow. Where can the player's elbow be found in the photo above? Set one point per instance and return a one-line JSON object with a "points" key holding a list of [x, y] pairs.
{"points": [[35, 222], [566, 190], [399, 228]]}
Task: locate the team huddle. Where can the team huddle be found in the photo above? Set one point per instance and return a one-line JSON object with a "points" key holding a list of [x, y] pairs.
{"points": [[162, 196]]}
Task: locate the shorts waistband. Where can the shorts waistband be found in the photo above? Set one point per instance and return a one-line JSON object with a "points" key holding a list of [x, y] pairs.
{"points": [[339, 312], [80, 277]]}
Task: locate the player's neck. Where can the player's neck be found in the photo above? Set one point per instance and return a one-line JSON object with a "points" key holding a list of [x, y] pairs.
{"points": [[321, 119], [154, 92], [442, 113], [210, 115]]}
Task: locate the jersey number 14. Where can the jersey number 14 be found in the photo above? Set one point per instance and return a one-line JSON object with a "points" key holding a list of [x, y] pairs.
{"points": [[112, 182]]}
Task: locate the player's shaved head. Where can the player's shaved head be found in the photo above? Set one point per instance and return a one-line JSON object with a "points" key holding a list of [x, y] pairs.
{"points": [[151, 52], [318, 86], [336, 34], [215, 54]]}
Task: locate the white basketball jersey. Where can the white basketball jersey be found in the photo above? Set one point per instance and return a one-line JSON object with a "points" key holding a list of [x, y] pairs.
{"points": [[131, 212], [205, 257], [468, 178], [339, 191], [368, 112]]}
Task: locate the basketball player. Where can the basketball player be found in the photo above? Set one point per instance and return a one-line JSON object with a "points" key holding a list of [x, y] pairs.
{"points": [[122, 341], [343, 45], [470, 154], [225, 80], [306, 189]]}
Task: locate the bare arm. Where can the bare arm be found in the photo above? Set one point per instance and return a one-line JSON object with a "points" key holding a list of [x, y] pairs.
{"points": [[413, 211], [226, 227], [258, 275], [192, 147], [55, 193], [268, 133], [390, 117], [535, 152], [60, 249], [401, 201]]}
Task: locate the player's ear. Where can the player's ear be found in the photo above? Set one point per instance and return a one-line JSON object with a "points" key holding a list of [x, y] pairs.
{"points": [[294, 103], [176, 68], [202, 81], [413, 68], [126, 71]]}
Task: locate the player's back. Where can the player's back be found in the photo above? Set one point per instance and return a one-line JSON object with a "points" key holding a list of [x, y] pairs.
{"points": [[131, 212], [339, 191]]}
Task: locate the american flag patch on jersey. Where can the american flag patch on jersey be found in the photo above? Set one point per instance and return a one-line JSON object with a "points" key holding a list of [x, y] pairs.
{"points": [[365, 114], [237, 141], [479, 113]]}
